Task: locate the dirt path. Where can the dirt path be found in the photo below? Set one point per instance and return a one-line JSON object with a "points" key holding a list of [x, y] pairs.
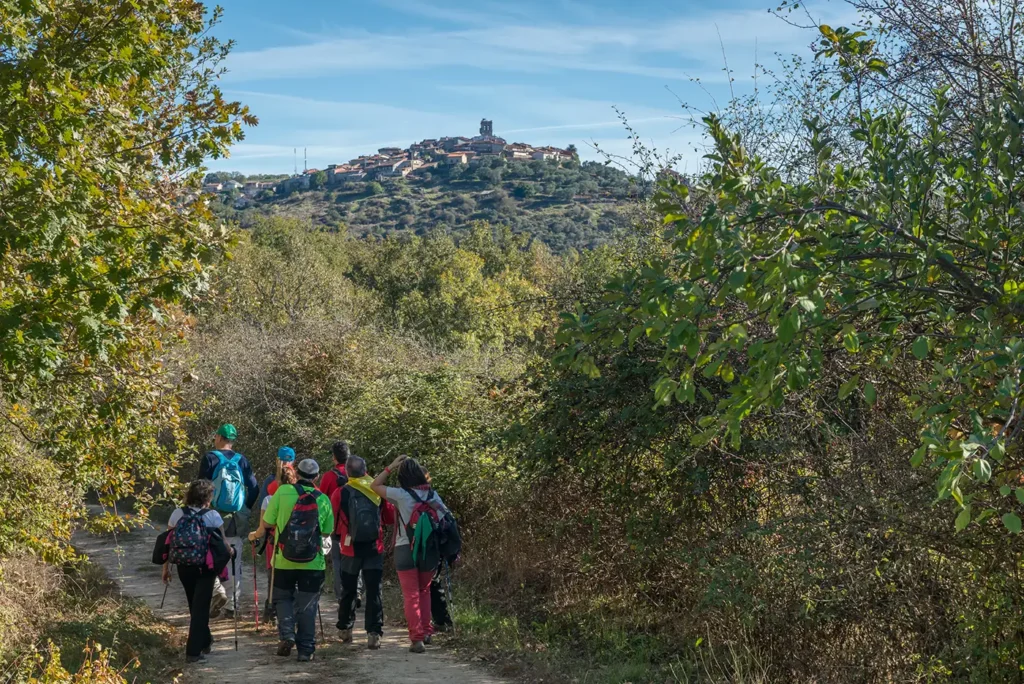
{"points": [[128, 562]]}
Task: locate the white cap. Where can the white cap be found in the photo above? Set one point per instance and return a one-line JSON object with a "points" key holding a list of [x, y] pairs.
{"points": [[308, 468]]}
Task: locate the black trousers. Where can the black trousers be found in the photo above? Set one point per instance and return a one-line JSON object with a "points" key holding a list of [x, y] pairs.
{"points": [[198, 584], [373, 571], [439, 614]]}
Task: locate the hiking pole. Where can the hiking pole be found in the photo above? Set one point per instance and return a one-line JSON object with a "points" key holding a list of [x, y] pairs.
{"points": [[234, 597], [166, 586], [255, 587], [270, 599], [448, 591], [323, 639]]}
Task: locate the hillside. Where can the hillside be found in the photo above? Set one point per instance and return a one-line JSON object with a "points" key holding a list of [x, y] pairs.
{"points": [[567, 205]]}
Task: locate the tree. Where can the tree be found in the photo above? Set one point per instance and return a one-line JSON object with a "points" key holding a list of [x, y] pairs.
{"points": [[221, 176], [318, 180], [374, 188], [904, 270], [108, 110], [524, 190]]}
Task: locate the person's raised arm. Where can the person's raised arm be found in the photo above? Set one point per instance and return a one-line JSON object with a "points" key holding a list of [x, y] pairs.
{"points": [[378, 486]]}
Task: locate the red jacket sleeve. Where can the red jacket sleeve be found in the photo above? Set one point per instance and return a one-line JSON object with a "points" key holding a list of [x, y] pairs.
{"points": [[329, 485], [340, 522]]}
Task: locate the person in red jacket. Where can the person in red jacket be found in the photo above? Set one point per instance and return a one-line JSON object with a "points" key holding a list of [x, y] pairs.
{"points": [[332, 481], [336, 477], [357, 509]]}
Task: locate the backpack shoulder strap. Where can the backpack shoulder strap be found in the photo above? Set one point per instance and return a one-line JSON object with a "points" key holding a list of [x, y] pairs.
{"points": [[412, 493], [235, 458]]}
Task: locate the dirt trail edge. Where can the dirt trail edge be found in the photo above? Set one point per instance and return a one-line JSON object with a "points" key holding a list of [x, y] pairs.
{"points": [[127, 561]]}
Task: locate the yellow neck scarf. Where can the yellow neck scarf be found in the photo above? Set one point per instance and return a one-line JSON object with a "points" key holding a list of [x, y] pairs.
{"points": [[362, 485]]}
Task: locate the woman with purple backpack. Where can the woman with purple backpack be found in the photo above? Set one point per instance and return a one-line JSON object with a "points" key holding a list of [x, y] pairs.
{"points": [[196, 545]]}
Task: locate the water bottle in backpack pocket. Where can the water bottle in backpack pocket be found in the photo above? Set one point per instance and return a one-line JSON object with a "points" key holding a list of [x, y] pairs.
{"points": [[190, 540], [300, 540], [228, 484]]}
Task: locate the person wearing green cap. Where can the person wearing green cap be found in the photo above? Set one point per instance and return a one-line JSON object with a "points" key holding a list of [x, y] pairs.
{"points": [[235, 493]]}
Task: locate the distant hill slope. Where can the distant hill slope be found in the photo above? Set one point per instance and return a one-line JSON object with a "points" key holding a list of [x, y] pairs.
{"points": [[566, 205]]}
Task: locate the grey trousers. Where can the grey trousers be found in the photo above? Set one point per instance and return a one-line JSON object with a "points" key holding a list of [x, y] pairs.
{"points": [[296, 599]]}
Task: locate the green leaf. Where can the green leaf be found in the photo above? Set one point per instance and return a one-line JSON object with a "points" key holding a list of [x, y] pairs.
{"points": [[1012, 522], [982, 470], [787, 330], [920, 348], [848, 386], [1019, 494], [918, 458], [870, 396], [1005, 490], [636, 332], [964, 519]]}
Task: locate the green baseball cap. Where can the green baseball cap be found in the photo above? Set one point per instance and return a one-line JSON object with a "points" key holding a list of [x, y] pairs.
{"points": [[227, 431]]}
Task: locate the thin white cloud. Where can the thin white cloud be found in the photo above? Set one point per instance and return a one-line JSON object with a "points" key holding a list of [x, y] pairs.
{"points": [[671, 49]]}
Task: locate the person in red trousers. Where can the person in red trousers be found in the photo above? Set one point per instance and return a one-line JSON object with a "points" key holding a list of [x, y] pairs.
{"points": [[413, 488]]}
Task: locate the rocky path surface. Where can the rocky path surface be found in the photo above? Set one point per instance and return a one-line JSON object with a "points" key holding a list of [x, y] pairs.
{"points": [[126, 559]]}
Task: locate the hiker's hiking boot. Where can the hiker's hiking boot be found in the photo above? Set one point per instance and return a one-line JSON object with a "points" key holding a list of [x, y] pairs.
{"points": [[373, 641], [195, 659], [217, 604], [284, 647], [417, 647], [345, 635], [440, 628], [427, 640], [305, 657]]}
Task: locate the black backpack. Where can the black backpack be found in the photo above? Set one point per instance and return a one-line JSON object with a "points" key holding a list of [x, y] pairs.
{"points": [[300, 539], [363, 517]]}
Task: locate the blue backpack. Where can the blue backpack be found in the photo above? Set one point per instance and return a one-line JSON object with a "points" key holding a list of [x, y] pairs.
{"points": [[228, 485]]}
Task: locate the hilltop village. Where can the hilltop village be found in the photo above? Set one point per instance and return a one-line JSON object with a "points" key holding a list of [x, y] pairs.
{"points": [[419, 158]]}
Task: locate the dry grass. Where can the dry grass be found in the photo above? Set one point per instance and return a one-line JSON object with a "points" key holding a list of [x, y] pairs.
{"points": [[71, 625]]}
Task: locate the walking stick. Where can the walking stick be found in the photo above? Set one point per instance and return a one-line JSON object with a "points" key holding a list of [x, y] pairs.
{"points": [[323, 639], [255, 587], [166, 586], [448, 591], [234, 598], [270, 599]]}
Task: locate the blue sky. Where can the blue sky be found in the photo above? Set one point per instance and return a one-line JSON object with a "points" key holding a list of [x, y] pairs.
{"points": [[343, 78]]}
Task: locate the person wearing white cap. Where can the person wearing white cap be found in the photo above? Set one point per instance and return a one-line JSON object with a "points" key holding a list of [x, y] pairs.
{"points": [[303, 518]]}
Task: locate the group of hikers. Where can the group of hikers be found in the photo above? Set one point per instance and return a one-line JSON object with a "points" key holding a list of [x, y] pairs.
{"points": [[305, 518]]}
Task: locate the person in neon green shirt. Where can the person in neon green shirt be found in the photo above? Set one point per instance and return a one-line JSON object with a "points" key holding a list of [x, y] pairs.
{"points": [[297, 586]]}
